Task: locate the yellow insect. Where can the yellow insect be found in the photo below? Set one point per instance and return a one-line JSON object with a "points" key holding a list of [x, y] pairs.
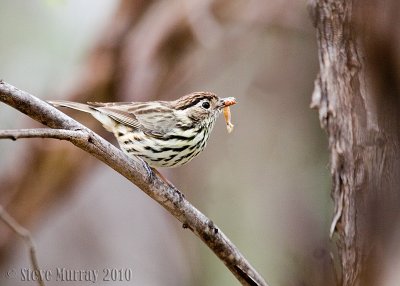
{"points": [[227, 115]]}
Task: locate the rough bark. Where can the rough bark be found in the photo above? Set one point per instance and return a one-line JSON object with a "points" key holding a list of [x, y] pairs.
{"points": [[363, 140]]}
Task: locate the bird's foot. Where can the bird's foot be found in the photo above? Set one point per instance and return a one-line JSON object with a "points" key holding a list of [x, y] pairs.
{"points": [[149, 170]]}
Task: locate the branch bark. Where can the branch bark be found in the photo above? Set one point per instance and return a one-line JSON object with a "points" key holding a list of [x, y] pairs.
{"points": [[61, 134], [135, 171]]}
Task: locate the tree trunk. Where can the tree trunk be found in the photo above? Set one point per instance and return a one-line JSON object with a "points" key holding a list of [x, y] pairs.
{"points": [[361, 122]]}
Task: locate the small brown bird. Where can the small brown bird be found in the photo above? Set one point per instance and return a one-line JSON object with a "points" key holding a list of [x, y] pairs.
{"points": [[162, 133]]}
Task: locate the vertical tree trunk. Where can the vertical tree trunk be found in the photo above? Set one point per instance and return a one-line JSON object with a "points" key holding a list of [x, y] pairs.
{"points": [[361, 124]]}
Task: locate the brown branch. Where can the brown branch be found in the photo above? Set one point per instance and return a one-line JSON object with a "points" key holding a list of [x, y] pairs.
{"points": [[61, 134], [27, 237], [135, 171]]}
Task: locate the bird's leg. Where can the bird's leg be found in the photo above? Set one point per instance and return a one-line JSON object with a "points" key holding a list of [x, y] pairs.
{"points": [[149, 170], [150, 173], [181, 196]]}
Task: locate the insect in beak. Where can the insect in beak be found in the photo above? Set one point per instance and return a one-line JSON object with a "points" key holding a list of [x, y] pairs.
{"points": [[225, 102]]}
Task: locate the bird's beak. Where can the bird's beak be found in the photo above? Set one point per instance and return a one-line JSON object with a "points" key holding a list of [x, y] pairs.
{"points": [[228, 101]]}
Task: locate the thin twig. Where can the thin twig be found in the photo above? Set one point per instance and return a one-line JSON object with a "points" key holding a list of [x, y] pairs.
{"points": [[27, 237], [61, 134], [139, 173]]}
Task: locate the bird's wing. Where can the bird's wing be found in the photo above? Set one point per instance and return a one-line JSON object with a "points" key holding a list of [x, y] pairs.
{"points": [[152, 123]]}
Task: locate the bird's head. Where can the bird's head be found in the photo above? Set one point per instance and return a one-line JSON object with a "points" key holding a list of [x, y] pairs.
{"points": [[202, 106]]}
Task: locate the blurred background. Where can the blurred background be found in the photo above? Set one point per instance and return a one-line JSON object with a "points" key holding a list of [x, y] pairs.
{"points": [[266, 185]]}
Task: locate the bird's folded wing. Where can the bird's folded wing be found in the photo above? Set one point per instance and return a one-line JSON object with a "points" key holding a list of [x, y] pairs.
{"points": [[150, 123]]}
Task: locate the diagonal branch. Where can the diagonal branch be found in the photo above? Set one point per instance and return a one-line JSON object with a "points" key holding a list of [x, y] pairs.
{"points": [[26, 235], [135, 171]]}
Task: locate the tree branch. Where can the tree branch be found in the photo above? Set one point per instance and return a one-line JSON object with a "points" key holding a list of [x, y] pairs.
{"points": [[61, 134], [27, 237], [135, 171]]}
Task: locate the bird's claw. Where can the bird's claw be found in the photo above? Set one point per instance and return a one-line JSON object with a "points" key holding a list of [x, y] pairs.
{"points": [[180, 194], [149, 170], [150, 173]]}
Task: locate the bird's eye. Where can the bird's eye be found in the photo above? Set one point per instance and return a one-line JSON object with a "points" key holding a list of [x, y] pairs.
{"points": [[205, 105]]}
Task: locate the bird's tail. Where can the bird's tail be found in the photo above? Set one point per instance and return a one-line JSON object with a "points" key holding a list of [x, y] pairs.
{"points": [[74, 105], [107, 122]]}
